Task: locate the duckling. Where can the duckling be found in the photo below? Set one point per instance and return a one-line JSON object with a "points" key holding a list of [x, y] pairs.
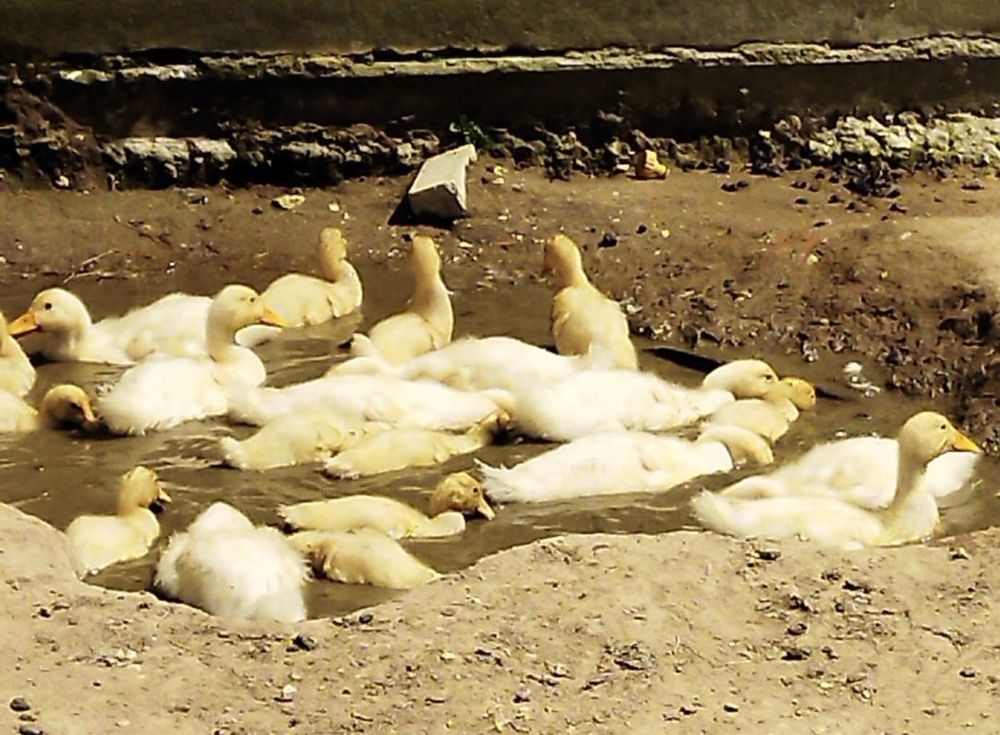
{"points": [[225, 566], [602, 401], [172, 325], [428, 321], [391, 450], [772, 415], [63, 406], [911, 516], [623, 462], [860, 470], [163, 392], [305, 300], [17, 375], [403, 404], [362, 557], [582, 316], [100, 541], [454, 496], [295, 438]]}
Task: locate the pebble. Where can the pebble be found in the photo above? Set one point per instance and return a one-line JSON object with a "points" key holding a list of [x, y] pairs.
{"points": [[609, 240], [30, 730], [729, 707], [801, 200], [365, 618], [974, 185], [768, 554], [797, 629], [523, 694], [729, 187], [19, 704], [304, 642], [968, 673], [795, 654]]}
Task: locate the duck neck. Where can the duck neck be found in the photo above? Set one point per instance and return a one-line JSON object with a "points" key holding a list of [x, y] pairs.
{"points": [[222, 345], [784, 404], [569, 272], [142, 519], [432, 302], [332, 266], [912, 514]]}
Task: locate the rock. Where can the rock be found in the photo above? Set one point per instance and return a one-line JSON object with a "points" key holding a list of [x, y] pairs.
{"points": [[968, 673], [974, 185], [305, 642], [648, 166], [797, 629], [30, 730], [365, 618], [439, 190], [794, 653], [288, 202], [729, 707], [730, 187], [19, 704], [608, 240], [523, 694], [633, 657]]}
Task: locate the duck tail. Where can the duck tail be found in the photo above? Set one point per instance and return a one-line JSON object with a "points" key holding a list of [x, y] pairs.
{"points": [[234, 453], [716, 513], [495, 482], [362, 346]]}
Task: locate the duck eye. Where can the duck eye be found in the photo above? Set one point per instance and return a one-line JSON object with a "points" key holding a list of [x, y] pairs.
{"points": [[943, 427], [48, 305]]}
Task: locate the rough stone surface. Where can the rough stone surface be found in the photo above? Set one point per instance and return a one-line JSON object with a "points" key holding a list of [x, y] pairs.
{"points": [[439, 191]]}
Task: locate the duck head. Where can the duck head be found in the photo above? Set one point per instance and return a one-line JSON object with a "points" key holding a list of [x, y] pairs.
{"points": [[460, 492], [141, 488], [53, 311], [800, 392], [742, 378], [332, 245], [927, 435], [67, 405], [562, 259], [425, 260]]}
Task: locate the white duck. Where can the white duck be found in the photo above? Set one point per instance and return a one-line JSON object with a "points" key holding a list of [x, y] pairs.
{"points": [[772, 415], [172, 325], [17, 375], [418, 404], [362, 557], [582, 316], [225, 566], [623, 462], [860, 470], [428, 321], [454, 497], [602, 401], [390, 450], [305, 300], [163, 392], [911, 516], [63, 406], [100, 541], [312, 435]]}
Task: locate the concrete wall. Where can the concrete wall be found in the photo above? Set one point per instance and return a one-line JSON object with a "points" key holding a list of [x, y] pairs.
{"points": [[46, 28]]}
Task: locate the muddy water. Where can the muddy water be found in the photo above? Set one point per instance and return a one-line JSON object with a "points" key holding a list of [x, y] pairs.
{"points": [[58, 476]]}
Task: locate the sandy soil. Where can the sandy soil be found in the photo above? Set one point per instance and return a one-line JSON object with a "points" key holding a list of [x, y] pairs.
{"points": [[576, 634]]}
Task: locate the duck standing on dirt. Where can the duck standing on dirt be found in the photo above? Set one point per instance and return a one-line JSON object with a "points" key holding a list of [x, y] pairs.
{"points": [[583, 318]]}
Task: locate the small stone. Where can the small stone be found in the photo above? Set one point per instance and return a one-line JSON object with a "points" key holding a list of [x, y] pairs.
{"points": [[959, 554], [19, 704], [641, 229], [974, 185], [365, 618], [288, 201], [801, 200], [823, 223], [729, 187], [968, 673], [743, 183], [439, 189], [800, 184], [304, 642], [648, 166], [634, 657], [729, 707], [834, 199], [609, 240], [898, 208], [257, 210], [287, 693], [795, 653], [768, 554], [30, 730], [688, 710], [523, 694], [797, 629]]}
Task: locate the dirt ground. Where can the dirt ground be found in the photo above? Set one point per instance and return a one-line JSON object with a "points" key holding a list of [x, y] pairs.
{"points": [[588, 633]]}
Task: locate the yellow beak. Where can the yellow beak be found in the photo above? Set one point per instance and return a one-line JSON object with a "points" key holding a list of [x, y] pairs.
{"points": [[88, 412], [24, 324], [485, 510], [163, 497], [962, 443], [273, 319]]}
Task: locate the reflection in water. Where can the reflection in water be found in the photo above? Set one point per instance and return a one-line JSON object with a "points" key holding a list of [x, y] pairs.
{"points": [[57, 477]]}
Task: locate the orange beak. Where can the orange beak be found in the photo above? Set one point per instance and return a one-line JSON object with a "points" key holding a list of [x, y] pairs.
{"points": [[273, 319], [24, 324], [962, 443]]}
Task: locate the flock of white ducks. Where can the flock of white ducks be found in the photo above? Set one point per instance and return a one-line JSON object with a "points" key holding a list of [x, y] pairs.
{"points": [[407, 396]]}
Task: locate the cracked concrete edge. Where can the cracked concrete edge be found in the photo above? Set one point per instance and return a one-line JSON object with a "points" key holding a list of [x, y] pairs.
{"points": [[192, 67]]}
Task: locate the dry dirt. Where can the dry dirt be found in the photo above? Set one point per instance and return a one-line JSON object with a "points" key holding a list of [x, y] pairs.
{"points": [[587, 633]]}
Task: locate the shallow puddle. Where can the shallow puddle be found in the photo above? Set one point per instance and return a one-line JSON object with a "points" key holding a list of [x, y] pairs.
{"points": [[58, 476]]}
